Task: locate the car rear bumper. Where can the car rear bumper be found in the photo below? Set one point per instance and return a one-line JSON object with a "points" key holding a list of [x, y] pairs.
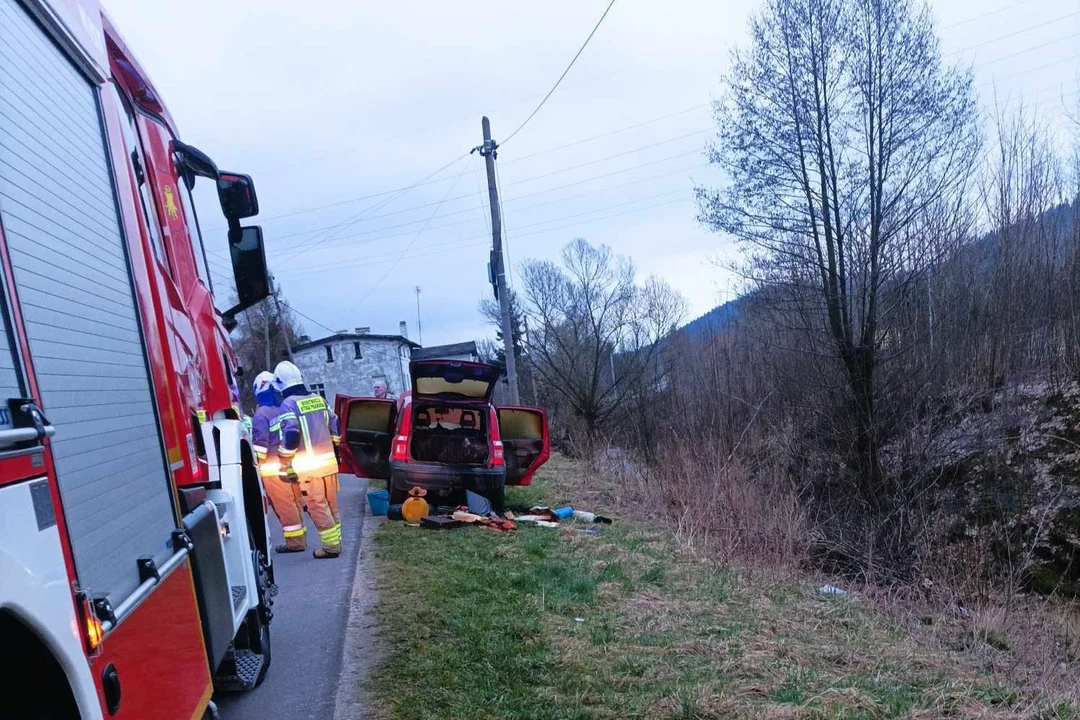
{"points": [[445, 481]]}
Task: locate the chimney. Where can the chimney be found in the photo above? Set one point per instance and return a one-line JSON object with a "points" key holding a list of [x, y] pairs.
{"points": [[304, 338], [363, 331], [403, 329]]}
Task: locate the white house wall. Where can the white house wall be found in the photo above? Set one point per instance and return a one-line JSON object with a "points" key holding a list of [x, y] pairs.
{"points": [[382, 359]]}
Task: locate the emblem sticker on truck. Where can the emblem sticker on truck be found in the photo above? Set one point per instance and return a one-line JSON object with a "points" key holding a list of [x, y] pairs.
{"points": [[170, 203]]}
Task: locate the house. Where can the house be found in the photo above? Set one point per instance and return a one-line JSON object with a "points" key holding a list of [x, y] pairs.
{"points": [[349, 363], [465, 351]]}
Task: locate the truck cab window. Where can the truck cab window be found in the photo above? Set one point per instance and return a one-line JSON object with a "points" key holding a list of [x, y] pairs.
{"points": [[188, 203], [138, 164]]}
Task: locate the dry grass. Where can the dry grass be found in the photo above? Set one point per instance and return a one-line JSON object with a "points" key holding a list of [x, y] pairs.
{"points": [[1027, 643], [481, 624]]}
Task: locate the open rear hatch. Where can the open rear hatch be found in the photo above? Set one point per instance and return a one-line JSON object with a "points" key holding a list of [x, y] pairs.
{"points": [[441, 380]]}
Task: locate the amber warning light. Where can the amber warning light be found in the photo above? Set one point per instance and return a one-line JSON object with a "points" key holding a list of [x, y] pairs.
{"points": [[91, 625]]}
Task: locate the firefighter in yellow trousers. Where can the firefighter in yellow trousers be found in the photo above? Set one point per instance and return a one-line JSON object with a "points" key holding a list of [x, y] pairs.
{"points": [[309, 435], [266, 437]]}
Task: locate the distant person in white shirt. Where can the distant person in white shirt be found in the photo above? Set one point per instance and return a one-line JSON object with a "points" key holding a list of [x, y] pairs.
{"points": [[381, 392]]}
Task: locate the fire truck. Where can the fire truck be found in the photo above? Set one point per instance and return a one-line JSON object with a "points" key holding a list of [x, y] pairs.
{"points": [[135, 574]]}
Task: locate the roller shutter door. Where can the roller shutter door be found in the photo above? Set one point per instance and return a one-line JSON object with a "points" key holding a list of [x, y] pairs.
{"points": [[71, 272]]}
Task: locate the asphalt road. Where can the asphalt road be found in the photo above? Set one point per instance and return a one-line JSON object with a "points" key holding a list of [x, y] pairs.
{"points": [[310, 615]]}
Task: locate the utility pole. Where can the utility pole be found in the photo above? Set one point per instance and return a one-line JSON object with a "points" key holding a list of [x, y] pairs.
{"points": [[284, 330], [419, 327], [498, 270]]}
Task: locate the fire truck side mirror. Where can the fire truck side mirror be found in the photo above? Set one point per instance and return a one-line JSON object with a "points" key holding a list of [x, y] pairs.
{"points": [[249, 267], [237, 195]]}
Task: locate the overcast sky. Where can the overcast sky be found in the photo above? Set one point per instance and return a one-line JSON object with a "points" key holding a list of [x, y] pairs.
{"points": [[331, 106]]}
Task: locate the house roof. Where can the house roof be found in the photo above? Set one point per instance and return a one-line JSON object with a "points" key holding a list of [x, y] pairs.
{"points": [[338, 337], [438, 351]]}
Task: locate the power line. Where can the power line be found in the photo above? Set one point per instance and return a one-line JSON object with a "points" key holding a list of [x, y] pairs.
{"points": [[314, 241], [511, 161], [995, 80], [369, 259], [553, 87], [1012, 34], [485, 240], [1027, 50], [339, 203], [407, 248], [360, 216], [985, 14], [308, 317], [379, 231]]}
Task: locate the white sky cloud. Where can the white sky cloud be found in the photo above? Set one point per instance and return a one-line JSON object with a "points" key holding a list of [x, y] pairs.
{"points": [[324, 103]]}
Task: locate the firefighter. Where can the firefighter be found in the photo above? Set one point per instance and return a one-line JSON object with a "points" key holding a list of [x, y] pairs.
{"points": [[265, 436], [309, 436]]}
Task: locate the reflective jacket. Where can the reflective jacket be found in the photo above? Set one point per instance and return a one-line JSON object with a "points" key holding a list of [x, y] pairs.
{"points": [[309, 432], [266, 438]]}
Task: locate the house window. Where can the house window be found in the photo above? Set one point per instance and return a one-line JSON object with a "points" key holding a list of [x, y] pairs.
{"points": [[319, 389], [356, 350], [329, 353]]}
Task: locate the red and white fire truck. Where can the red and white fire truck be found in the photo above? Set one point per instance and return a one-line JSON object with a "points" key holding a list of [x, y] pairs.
{"points": [[134, 561]]}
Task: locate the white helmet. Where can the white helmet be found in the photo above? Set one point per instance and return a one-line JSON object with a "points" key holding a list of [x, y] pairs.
{"points": [[286, 375], [263, 382]]}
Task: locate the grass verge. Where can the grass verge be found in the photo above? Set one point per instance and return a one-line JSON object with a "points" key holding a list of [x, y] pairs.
{"points": [[554, 624]]}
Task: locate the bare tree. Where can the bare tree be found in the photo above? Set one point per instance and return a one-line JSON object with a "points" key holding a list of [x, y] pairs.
{"points": [[841, 132], [594, 335], [259, 340]]}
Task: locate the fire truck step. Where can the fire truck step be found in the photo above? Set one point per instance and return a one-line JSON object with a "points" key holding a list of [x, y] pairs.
{"points": [[248, 667], [239, 593]]}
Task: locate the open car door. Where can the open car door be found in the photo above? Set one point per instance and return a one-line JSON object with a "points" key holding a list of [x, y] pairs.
{"points": [[526, 445], [367, 425]]}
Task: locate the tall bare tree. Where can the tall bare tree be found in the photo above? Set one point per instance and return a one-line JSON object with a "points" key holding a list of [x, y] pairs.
{"points": [[594, 334], [842, 133]]}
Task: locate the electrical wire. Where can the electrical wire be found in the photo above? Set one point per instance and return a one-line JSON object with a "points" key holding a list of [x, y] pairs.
{"points": [[377, 206], [984, 63], [484, 241], [379, 232], [516, 198], [308, 317], [511, 161], [553, 87], [574, 216], [403, 252], [517, 182], [985, 14], [1012, 34]]}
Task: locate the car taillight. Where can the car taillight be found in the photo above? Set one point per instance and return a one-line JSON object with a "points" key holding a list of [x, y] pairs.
{"points": [[497, 453], [400, 450]]}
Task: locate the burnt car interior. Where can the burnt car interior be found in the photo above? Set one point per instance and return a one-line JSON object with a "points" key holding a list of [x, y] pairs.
{"points": [[451, 435]]}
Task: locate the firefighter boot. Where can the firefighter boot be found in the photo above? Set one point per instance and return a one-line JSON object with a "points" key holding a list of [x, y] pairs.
{"points": [[284, 498], [314, 490]]}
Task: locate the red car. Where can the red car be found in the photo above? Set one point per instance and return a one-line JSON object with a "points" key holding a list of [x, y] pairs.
{"points": [[444, 436]]}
